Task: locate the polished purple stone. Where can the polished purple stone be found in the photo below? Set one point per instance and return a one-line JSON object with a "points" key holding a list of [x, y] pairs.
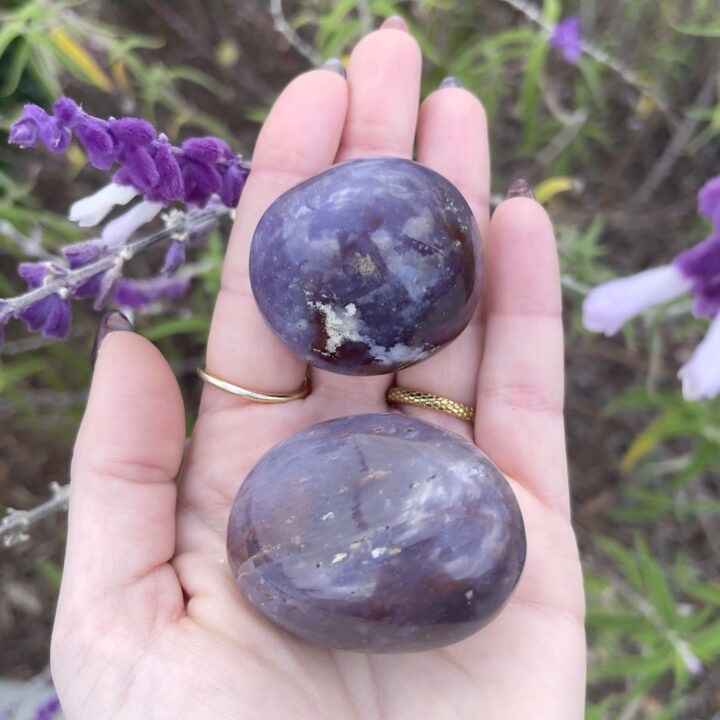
{"points": [[376, 533], [368, 267]]}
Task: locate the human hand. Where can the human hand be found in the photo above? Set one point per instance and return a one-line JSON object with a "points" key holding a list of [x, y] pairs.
{"points": [[150, 623]]}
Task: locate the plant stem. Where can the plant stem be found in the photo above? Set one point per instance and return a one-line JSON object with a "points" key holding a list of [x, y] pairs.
{"points": [[15, 524], [72, 278]]}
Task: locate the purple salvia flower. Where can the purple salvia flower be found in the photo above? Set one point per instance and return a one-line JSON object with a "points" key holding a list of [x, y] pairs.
{"points": [[609, 306], [567, 39], [701, 374], [137, 294], [695, 271], [701, 265], [709, 200], [91, 210]]}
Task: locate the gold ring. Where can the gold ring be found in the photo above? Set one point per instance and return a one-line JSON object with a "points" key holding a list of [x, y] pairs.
{"points": [[401, 395], [255, 395]]}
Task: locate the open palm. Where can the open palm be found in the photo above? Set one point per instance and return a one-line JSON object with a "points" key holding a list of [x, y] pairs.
{"points": [[150, 623]]}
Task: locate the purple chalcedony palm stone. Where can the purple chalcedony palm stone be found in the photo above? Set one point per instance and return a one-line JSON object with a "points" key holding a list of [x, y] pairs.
{"points": [[376, 533], [367, 267]]}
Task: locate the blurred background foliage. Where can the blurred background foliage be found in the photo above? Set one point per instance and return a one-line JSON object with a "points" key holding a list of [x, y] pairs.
{"points": [[616, 148]]}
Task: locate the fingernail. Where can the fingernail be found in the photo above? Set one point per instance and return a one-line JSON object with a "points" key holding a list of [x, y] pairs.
{"points": [[520, 188], [114, 321], [395, 22], [450, 82], [334, 65]]}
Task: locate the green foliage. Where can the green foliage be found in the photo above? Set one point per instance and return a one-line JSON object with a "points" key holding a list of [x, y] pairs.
{"points": [[648, 627]]}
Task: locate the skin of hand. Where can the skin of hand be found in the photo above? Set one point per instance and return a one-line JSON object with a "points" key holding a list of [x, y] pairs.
{"points": [[150, 623]]}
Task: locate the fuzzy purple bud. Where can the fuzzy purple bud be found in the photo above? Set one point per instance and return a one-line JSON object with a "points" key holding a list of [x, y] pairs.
{"points": [[82, 253], [132, 132], [95, 137], [174, 258], [51, 315], [232, 185], [65, 111], [169, 185], [567, 39], [34, 126]]}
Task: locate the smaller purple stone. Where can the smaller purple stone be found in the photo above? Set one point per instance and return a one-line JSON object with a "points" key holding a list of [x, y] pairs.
{"points": [[376, 533]]}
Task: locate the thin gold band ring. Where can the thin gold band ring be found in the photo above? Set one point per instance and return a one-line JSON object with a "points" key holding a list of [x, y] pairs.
{"points": [[254, 395], [405, 396]]}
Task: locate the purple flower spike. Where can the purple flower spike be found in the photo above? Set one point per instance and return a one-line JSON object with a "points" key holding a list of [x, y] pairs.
{"points": [[141, 293], [709, 200], [34, 273], [567, 39]]}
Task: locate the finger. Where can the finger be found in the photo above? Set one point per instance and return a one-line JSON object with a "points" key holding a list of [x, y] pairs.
{"points": [[299, 138], [384, 81], [122, 498], [519, 419], [453, 140]]}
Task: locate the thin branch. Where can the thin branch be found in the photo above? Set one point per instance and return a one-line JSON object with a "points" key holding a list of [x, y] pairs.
{"points": [[15, 524], [680, 140], [533, 13], [284, 28], [65, 283]]}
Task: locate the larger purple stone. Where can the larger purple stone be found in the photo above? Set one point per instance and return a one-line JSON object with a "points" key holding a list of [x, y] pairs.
{"points": [[376, 533], [368, 267]]}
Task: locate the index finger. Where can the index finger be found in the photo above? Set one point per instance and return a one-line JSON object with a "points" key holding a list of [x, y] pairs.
{"points": [[299, 139]]}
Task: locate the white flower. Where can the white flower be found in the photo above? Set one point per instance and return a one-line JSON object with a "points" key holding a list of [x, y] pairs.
{"points": [[117, 232], [610, 305], [701, 374], [92, 209]]}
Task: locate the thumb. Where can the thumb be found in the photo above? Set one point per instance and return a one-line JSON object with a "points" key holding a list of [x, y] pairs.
{"points": [[122, 491]]}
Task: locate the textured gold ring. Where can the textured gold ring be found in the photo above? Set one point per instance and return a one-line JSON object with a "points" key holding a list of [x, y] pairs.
{"points": [[254, 395], [405, 396]]}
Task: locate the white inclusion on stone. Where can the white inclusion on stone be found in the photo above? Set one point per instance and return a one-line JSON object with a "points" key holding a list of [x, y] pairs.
{"points": [[341, 325], [328, 516], [339, 557], [469, 594], [398, 353], [379, 551], [420, 226]]}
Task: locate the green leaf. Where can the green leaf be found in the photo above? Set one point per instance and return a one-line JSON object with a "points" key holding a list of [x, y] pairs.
{"points": [[655, 584], [624, 558], [177, 326]]}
